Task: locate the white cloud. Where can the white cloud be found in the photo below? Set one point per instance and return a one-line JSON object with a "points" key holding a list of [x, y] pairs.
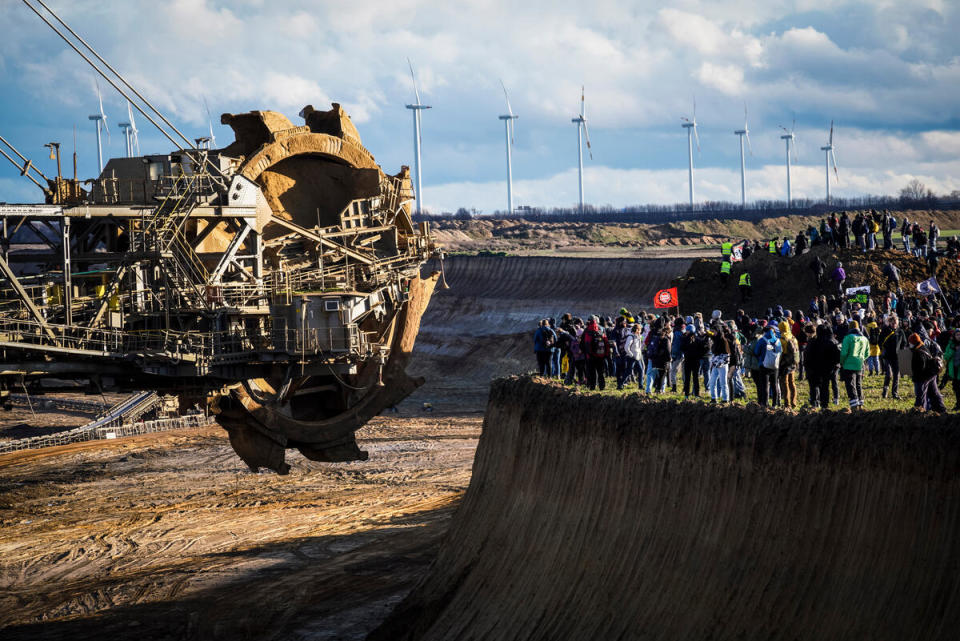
{"points": [[623, 187], [879, 69]]}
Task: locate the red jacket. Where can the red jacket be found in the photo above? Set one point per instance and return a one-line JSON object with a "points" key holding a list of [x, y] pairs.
{"points": [[595, 343]]}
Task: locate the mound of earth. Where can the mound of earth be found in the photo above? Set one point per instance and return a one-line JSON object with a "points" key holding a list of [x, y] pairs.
{"points": [[519, 235], [790, 281]]}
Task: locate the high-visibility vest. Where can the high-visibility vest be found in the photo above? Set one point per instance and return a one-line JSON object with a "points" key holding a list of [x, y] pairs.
{"points": [[745, 279], [724, 267], [772, 247], [726, 249]]}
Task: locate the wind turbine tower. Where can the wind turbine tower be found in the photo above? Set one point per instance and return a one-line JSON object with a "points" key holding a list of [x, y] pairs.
{"points": [[508, 119], [691, 127], [829, 155], [125, 128], [745, 132], [417, 108], [101, 122], [582, 132], [790, 138]]}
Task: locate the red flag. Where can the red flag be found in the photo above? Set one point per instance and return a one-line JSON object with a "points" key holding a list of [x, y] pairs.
{"points": [[666, 298]]}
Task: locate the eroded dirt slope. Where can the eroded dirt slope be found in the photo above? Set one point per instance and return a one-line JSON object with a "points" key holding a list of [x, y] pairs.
{"points": [[604, 518], [790, 281], [482, 327]]}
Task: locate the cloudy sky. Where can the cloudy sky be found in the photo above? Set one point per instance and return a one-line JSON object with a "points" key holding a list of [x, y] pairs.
{"points": [[887, 72]]}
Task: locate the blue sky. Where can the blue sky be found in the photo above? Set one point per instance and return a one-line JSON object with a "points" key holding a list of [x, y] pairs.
{"points": [[887, 72]]}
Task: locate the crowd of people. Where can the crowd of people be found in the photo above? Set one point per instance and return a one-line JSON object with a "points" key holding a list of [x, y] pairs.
{"points": [[834, 342]]}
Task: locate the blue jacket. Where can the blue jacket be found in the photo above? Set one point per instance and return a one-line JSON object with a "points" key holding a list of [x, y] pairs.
{"points": [[768, 338], [540, 337], [675, 347]]}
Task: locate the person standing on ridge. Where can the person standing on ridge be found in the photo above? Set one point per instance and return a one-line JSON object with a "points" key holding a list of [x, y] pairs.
{"points": [[726, 250], [724, 273], [596, 347], [746, 286], [926, 369], [839, 275], [854, 351]]}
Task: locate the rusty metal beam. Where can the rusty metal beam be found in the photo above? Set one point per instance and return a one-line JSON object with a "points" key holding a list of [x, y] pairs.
{"points": [[26, 300]]}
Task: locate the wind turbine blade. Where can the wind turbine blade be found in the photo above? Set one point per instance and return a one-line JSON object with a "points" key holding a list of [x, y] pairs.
{"points": [[213, 140], [696, 136], [103, 115], [133, 128], [416, 91], [586, 133], [694, 108], [583, 103], [831, 133], [749, 146], [505, 95], [833, 157], [745, 128]]}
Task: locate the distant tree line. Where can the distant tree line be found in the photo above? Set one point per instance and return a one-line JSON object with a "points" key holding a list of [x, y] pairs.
{"points": [[915, 195]]}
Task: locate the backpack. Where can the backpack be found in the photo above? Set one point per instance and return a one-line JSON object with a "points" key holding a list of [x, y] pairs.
{"points": [[788, 357], [874, 336], [575, 353], [653, 346], [548, 338], [598, 343]]}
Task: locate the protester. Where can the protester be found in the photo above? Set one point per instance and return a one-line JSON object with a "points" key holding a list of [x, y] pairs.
{"points": [[719, 363], [853, 354], [768, 349], [788, 365], [597, 348], [544, 340], [951, 355], [926, 369]]}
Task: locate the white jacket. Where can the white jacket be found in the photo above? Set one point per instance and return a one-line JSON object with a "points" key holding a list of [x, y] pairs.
{"points": [[632, 346]]}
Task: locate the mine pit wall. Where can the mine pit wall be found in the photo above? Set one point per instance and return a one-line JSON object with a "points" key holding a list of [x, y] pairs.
{"points": [[482, 326], [593, 517]]}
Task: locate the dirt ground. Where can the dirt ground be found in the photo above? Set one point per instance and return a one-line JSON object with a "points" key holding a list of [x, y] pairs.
{"points": [[168, 536]]}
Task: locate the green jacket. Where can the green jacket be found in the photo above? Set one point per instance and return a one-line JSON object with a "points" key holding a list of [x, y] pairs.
{"points": [[854, 351], [951, 355]]}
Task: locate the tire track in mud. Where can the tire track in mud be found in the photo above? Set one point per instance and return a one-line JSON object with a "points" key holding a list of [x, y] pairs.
{"points": [[482, 327], [593, 517]]}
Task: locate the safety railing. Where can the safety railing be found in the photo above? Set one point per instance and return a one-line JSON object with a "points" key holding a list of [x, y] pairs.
{"points": [[87, 433]]}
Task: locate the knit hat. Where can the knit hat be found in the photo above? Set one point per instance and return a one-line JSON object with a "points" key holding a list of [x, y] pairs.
{"points": [[914, 339], [854, 325], [691, 329], [688, 320]]}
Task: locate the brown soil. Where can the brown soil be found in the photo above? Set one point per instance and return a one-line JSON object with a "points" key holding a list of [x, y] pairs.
{"points": [[167, 536], [605, 518], [521, 236], [790, 281]]}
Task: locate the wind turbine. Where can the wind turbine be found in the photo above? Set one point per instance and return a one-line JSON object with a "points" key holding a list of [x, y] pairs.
{"points": [[791, 141], [743, 132], [828, 155], [101, 121], [134, 132], [130, 132], [213, 139], [417, 107], [691, 127], [508, 119], [582, 132]]}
